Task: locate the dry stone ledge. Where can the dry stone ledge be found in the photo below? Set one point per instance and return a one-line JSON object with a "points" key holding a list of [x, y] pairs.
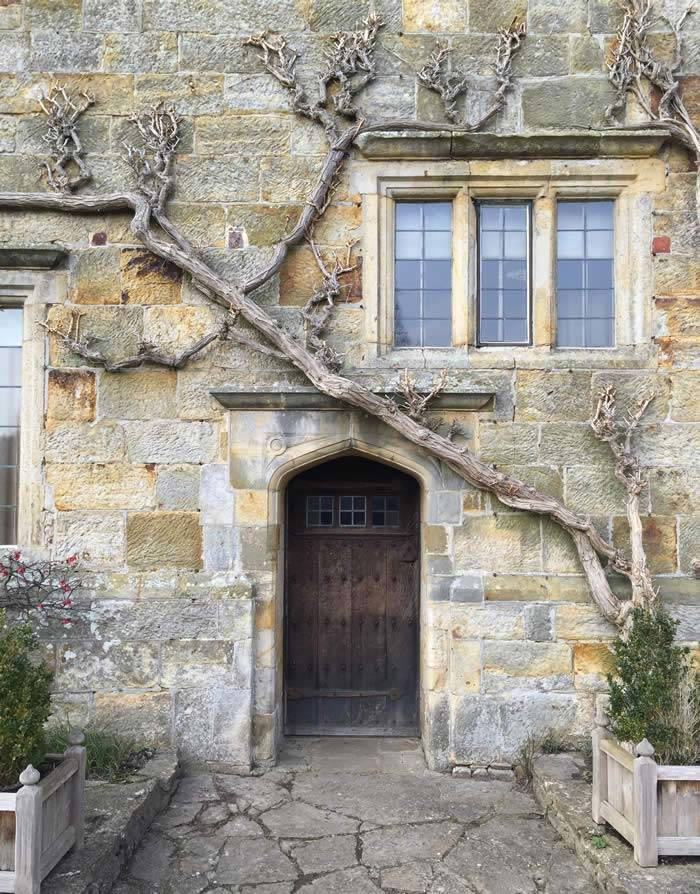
{"points": [[117, 817], [562, 787]]}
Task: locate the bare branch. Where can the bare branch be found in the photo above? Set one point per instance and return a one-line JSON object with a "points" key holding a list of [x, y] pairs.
{"points": [[280, 61], [632, 66], [153, 161], [415, 403], [350, 63], [617, 434], [435, 76], [63, 140], [147, 353]]}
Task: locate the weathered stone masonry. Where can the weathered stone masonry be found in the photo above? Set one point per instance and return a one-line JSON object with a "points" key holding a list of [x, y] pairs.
{"points": [[176, 491]]}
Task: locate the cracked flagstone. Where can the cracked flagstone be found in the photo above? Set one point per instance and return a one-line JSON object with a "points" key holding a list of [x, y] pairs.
{"points": [[351, 816]]}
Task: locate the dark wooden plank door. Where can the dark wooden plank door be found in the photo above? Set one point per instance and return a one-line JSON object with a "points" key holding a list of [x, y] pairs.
{"points": [[351, 650]]}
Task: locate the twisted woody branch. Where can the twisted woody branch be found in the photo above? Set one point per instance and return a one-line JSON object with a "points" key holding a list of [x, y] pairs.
{"points": [[351, 64]]}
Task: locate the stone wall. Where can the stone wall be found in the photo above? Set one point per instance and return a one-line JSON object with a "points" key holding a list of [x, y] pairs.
{"points": [[144, 471]]}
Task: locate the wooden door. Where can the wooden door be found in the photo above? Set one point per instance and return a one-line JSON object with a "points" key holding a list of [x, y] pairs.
{"points": [[351, 650]]}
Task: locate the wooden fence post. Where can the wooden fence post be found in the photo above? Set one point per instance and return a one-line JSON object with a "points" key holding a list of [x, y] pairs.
{"points": [[76, 738], [28, 833], [600, 765], [646, 844]]}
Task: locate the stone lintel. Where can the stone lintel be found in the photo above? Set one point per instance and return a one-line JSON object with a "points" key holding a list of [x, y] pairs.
{"points": [[31, 258], [314, 400], [612, 143]]}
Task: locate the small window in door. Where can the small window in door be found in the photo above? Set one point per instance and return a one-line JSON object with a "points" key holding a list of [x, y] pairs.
{"points": [[385, 512], [319, 512], [353, 512]]}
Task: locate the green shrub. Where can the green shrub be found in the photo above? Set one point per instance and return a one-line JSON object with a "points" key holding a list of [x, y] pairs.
{"points": [[110, 757], [654, 692], [25, 701]]}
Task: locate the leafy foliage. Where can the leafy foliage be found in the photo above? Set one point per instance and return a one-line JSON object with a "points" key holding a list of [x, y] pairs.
{"points": [[110, 757], [654, 691], [25, 696]]}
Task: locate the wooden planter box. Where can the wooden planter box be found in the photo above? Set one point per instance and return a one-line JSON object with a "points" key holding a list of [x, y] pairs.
{"points": [[655, 807], [42, 821]]}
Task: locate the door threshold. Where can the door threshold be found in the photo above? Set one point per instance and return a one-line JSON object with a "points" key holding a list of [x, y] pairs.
{"points": [[400, 732]]}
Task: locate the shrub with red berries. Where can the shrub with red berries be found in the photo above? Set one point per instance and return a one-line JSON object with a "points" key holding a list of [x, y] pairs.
{"points": [[39, 589]]}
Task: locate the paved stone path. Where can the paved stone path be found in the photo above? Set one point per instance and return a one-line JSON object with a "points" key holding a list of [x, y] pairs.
{"points": [[351, 816]]}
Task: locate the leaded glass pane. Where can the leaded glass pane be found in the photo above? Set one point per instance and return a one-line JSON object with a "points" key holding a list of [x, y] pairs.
{"points": [[319, 512], [423, 274], [585, 275], [503, 273]]}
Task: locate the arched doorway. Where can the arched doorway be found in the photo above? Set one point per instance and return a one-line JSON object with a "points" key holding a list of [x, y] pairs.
{"points": [[352, 579]]}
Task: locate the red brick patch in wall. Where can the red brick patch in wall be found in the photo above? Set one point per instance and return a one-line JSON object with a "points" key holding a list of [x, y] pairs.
{"points": [[661, 245]]}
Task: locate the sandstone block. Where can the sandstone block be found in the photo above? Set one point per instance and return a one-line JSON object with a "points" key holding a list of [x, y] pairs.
{"points": [[513, 443], [11, 14], [674, 490], [535, 714], [111, 15], [254, 93], [163, 539], [571, 444], [15, 52], [685, 403], [147, 279], [445, 507], [71, 397], [188, 663], [119, 331], [244, 134], [435, 538], [170, 441], [154, 52], [96, 276], [558, 551], [329, 15], [113, 486], [586, 54], [509, 666], [232, 726], [138, 394], [538, 622], [667, 444], [467, 588], [262, 224], [191, 93], [174, 329], [235, 618], [219, 547], [547, 16], [8, 128], [92, 665], [465, 665], [594, 490], [487, 621], [689, 546], [155, 619], [177, 487], [251, 507], [552, 395], [142, 716], [216, 52], [99, 442], [425, 15], [543, 55], [605, 16], [100, 535], [507, 542], [478, 729], [214, 179], [217, 16], [659, 534], [204, 225], [216, 496], [565, 103], [592, 662], [59, 14], [582, 622], [629, 386], [75, 52], [287, 179], [489, 17]]}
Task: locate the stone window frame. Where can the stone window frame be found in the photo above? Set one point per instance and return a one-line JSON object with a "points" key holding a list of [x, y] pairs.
{"points": [[34, 291], [543, 182]]}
